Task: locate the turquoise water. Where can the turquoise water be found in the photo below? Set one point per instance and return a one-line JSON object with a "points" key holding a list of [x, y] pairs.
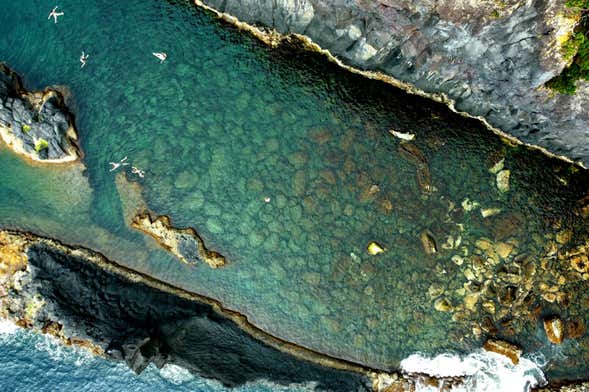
{"points": [[225, 122]]}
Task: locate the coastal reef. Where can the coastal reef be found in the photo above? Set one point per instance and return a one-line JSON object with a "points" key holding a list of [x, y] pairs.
{"points": [[36, 124], [492, 58], [84, 299], [185, 244]]}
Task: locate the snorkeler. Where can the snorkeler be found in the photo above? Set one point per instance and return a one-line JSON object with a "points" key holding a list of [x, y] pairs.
{"points": [[116, 165], [160, 55], [137, 171], [54, 14], [83, 59]]}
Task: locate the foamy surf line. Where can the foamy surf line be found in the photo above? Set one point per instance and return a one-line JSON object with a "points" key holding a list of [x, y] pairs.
{"points": [[7, 327], [481, 371]]}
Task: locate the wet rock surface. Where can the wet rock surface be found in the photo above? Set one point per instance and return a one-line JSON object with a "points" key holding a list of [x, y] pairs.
{"points": [[491, 57], [35, 124], [113, 312], [185, 244]]}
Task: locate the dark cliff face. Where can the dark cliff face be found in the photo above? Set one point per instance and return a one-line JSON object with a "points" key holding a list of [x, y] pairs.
{"points": [[139, 324], [35, 124], [491, 57]]}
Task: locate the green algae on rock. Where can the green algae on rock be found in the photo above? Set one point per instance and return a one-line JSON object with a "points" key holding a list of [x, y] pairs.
{"points": [[36, 124], [185, 243]]}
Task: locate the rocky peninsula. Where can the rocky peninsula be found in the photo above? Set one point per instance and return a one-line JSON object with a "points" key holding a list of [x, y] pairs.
{"points": [[490, 58], [36, 124]]}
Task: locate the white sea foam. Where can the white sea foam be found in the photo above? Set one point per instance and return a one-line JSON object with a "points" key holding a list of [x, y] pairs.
{"points": [[7, 327], [482, 371], [60, 353], [175, 374]]}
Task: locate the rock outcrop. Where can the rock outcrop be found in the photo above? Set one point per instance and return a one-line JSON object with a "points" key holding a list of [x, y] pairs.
{"points": [[36, 124], [492, 58], [185, 244]]}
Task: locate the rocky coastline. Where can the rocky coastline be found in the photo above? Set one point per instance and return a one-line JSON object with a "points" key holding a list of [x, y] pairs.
{"points": [[84, 299], [36, 124], [488, 59]]}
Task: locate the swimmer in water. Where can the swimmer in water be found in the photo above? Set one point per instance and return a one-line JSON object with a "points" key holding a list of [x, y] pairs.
{"points": [[116, 165], [137, 171], [54, 14], [160, 55], [83, 59]]}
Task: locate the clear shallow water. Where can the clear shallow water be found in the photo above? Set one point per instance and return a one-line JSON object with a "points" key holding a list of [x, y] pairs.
{"points": [[226, 122]]}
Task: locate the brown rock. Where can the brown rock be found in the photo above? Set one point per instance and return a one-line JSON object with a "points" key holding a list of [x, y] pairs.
{"points": [[185, 244], [575, 329], [554, 328], [503, 249], [507, 349]]}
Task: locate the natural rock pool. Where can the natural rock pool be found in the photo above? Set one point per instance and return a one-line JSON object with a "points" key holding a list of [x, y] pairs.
{"points": [[284, 164]]}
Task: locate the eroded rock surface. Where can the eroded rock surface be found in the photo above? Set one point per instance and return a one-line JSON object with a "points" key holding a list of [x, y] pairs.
{"points": [[491, 57], [35, 124], [185, 244]]}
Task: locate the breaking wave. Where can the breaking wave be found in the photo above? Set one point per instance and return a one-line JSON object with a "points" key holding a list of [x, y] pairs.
{"points": [[8, 327], [481, 371]]}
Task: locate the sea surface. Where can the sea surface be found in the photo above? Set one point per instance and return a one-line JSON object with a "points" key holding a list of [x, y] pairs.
{"points": [[226, 123]]}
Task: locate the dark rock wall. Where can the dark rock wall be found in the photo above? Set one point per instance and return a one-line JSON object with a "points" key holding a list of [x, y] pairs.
{"points": [[492, 57], [50, 121], [136, 323]]}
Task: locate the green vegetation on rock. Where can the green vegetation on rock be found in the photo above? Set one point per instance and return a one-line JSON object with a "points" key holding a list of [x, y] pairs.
{"points": [[41, 144], [577, 49], [26, 128]]}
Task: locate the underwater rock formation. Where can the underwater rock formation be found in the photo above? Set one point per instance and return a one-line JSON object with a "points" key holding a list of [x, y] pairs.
{"points": [[84, 299], [492, 58], [185, 244], [36, 124]]}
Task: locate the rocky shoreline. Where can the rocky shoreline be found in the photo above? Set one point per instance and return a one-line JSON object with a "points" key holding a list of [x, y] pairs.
{"points": [[86, 300], [36, 124], [83, 299], [486, 59]]}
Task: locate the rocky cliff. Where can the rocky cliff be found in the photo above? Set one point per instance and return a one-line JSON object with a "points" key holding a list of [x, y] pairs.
{"points": [[35, 124], [492, 57]]}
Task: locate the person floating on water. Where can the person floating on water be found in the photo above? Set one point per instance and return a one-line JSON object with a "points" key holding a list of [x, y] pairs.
{"points": [[83, 59], [116, 165], [160, 55], [54, 14], [137, 171]]}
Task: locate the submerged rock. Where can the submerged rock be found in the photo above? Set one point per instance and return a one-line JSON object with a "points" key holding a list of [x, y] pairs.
{"points": [[503, 180], [428, 242], [185, 244], [36, 124]]}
